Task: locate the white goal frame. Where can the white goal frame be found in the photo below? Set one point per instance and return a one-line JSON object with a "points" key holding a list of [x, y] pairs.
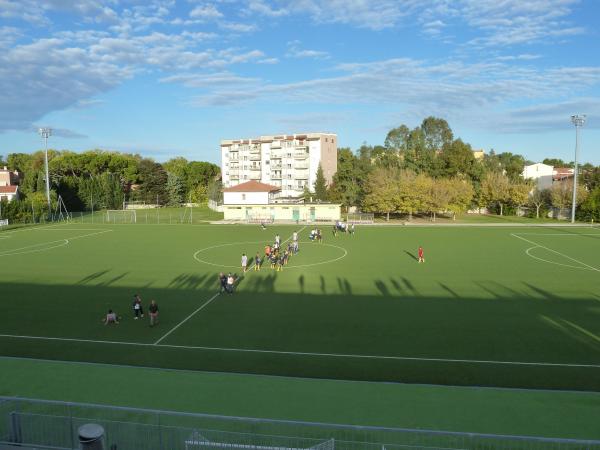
{"points": [[3, 222], [123, 214]]}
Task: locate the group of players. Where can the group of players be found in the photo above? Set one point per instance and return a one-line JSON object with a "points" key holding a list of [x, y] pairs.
{"points": [[277, 254], [138, 311]]}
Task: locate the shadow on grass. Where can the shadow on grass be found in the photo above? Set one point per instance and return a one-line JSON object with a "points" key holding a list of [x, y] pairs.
{"points": [[441, 337]]}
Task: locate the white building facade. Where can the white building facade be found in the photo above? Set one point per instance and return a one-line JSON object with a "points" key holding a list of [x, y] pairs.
{"points": [[289, 162], [541, 173]]}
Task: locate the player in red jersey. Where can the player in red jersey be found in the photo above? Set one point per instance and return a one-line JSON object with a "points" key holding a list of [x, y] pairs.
{"points": [[421, 257]]}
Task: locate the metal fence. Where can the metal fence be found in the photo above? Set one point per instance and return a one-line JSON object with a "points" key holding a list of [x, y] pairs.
{"points": [[52, 424]]}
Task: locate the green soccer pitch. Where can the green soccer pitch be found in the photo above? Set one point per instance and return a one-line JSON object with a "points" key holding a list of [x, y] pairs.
{"points": [[491, 306]]}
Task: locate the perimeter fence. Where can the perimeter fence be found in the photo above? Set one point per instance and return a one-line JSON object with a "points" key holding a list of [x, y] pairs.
{"points": [[42, 424]]}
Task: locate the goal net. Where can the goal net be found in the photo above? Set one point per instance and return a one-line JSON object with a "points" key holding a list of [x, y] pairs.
{"points": [[138, 205], [215, 440], [121, 216], [3, 222], [359, 218]]}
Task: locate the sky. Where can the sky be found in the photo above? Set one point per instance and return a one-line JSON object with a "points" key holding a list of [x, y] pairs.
{"points": [[168, 78]]}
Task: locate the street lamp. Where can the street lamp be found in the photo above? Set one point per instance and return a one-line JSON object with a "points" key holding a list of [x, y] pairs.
{"points": [[45, 133], [578, 120]]}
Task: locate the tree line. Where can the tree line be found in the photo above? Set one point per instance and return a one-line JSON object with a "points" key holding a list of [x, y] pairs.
{"points": [[98, 179], [426, 170]]}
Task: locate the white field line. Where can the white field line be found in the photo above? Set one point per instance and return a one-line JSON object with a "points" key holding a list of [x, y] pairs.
{"points": [[311, 354], [203, 305], [556, 252], [34, 248], [187, 318]]}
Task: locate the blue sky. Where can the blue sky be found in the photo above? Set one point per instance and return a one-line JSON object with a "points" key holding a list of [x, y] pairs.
{"points": [[167, 78]]}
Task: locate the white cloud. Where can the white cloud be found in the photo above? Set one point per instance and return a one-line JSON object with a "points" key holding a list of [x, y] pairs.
{"points": [[206, 11], [238, 27], [295, 51]]}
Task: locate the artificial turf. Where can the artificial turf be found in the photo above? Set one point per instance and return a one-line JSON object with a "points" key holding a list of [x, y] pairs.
{"points": [[503, 306]]}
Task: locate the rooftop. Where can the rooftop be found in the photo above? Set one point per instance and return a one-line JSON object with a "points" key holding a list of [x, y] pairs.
{"points": [[252, 186]]}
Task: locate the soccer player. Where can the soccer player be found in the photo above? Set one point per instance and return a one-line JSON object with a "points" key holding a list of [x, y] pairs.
{"points": [[223, 281], [352, 230], [267, 251], [230, 283], [244, 262], [137, 307], [335, 231], [111, 317], [277, 240], [153, 308], [295, 236], [257, 262], [421, 257]]}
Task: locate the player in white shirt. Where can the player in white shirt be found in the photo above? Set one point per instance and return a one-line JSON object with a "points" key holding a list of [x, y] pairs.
{"points": [[244, 262]]}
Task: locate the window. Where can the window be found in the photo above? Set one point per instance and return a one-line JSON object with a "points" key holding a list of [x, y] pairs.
{"points": [[267, 162], [243, 196]]}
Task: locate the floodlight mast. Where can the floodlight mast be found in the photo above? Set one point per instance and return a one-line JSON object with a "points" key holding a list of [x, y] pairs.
{"points": [[578, 120], [45, 133]]}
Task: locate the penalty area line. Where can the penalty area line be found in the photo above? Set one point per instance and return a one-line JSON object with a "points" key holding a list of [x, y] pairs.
{"points": [[313, 354], [187, 318]]}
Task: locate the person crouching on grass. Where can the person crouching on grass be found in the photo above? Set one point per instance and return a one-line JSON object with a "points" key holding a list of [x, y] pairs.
{"points": [[153, 309], [111, 317]]}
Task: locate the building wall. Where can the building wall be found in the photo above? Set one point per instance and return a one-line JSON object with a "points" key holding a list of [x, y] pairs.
{"points": [[245, 198], [5, 178], [279, 160], [542, 173], [303, 213]]}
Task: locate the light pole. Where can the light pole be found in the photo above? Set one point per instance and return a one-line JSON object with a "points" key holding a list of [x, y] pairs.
{"points": [[578, 120], [46, 133]]}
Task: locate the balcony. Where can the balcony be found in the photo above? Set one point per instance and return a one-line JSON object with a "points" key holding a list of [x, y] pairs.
{"points": [[275, 175], [254, 157], [234, 176], [255, 167], [276, 166], [255, 149], [300, 155], [255, 175], [276, 155], [301, 175], [301, 165]]}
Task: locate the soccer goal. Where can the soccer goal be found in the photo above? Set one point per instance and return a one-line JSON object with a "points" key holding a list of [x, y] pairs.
{"points": [[121, 216], [201, 441], [3, 222], [360, 218]]}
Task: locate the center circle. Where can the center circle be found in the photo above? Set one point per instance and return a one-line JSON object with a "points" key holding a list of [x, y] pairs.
{"points": [[232, 251]]}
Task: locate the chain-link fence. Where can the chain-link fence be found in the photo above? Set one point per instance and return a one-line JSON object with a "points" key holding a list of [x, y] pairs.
{"points": [[52, 424]]}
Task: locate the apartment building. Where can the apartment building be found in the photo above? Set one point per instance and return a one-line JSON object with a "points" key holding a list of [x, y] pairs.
{"points": [[289, 162]]}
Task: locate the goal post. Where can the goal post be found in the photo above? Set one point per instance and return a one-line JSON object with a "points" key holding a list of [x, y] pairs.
{"points": [[3, 222], [360, 218], [121, 216]]}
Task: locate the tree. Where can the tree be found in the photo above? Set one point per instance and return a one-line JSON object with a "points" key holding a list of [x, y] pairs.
{"points": [[346, 187], [381, 189], [397, 138], [320, 185], [556, 162], [153, 182], [436, 133], [519, 193], [539, 198], [495, 189], [175, 189], [461, 194], [458, 159], [561, 194], [590, 207]]}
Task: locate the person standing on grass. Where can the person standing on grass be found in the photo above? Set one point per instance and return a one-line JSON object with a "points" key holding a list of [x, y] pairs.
{"points": [[244, 262], [257, 262], [421, 257], [137, 307], [278, 240], [352, 230], [153, 313], [295, 237], [230, 283], [111, 317], [223, 281]]}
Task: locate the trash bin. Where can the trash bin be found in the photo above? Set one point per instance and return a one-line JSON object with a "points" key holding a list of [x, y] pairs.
{"points": [[90, 437]]}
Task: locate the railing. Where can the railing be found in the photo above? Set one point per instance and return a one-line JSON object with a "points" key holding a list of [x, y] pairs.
{"points": [[52, 424], [300, 155]]}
